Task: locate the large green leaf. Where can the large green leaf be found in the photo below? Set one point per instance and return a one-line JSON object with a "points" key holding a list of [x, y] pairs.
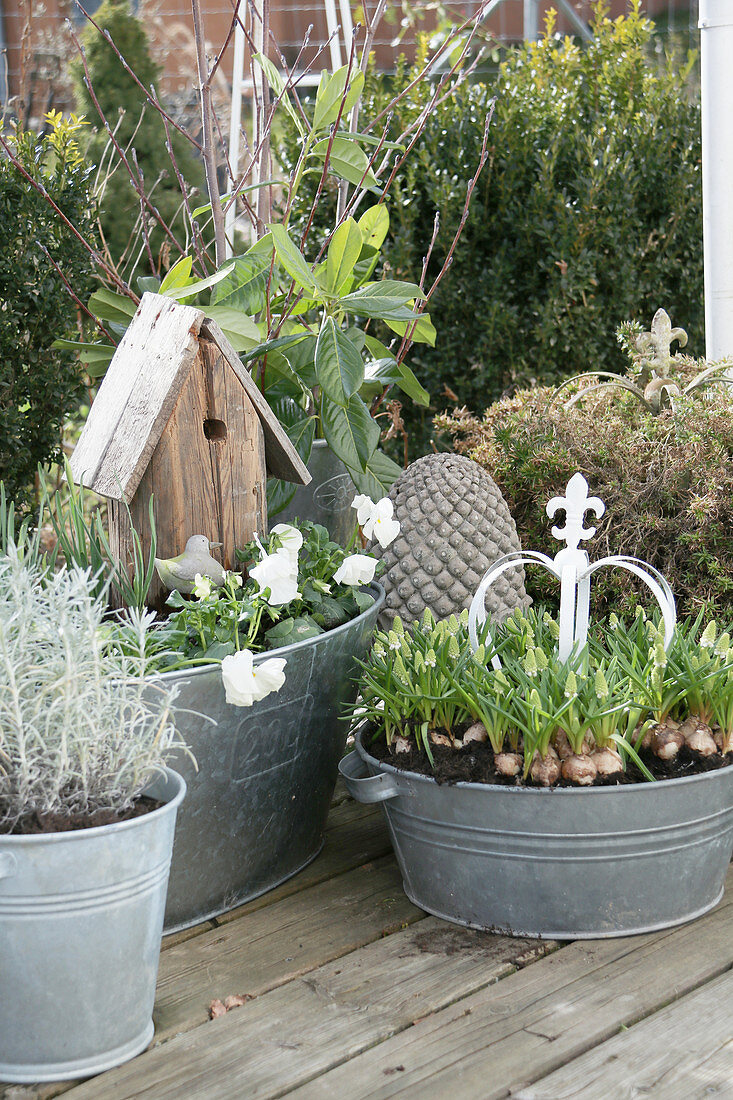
{"points": [[348, 162], [339, 366], [422, 333], [244, 288], [292, 259], [240, 330], [277, 84], [386, 300], [179, 275], [378, 476], [96, 356], [374, 225], [343, 252], [279, 343], [194, 288], [350, 432], [390, 372], [110, 306], [331, 92]]}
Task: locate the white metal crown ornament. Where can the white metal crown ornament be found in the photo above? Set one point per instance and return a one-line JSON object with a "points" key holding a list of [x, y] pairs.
{"points": [[573, 569]]}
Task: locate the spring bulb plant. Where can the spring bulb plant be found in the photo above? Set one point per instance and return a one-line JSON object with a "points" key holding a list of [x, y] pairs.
{"points": [[621, 701], [295, 585], [82, 728]]}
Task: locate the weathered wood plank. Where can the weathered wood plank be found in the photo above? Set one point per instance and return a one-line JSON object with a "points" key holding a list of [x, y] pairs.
{"points": [[237, 455], [137, 397], [682, 1052], [273, 945], [353, 837], [534, 1021], [298, 1030], [282, 458]]}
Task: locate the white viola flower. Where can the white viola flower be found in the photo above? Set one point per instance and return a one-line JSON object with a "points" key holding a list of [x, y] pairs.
{"points": [[279, 573], [201, 586], [356, 569], [364, 507], [381, 525], [290, 538], [246, 683]]}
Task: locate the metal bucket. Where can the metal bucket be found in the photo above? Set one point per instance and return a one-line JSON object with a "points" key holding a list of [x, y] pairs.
{"points": [[256, 807], [327, 498], [563, 863], [81, 916]]}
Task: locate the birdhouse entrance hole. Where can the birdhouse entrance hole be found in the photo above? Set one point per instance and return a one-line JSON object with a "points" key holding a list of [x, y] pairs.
{"points": [[215, 431]]}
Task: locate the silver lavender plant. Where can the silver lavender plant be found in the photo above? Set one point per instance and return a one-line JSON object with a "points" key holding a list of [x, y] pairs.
{"points": [[81, 729]]}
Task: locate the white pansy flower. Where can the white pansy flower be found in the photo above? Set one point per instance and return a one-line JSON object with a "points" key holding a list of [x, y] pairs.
{"points": [[364, 507], [201, 586], [356, 569], [279, 573], [380, 524], [290, 538], [245, 683]]}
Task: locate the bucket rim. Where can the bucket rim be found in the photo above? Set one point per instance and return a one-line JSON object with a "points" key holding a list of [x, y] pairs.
{"points": [[171, 806], [554, 792], [374, 588]]}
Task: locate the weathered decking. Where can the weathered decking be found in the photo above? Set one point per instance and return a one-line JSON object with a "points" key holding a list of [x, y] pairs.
{"points": [[355, 993]]}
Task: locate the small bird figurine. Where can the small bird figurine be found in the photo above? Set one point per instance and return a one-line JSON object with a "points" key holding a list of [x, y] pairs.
{"points": [[180, 572]]}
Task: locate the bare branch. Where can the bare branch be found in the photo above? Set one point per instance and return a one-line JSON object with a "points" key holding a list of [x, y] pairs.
{"points": [[67, 284], [209, 151]]}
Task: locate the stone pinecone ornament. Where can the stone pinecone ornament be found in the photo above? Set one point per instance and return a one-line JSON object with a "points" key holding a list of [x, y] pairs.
{"points": [[454, 524]]}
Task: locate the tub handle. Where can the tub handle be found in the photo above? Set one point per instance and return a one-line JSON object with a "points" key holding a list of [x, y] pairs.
{"points": [[7, 865], [364, 787]]}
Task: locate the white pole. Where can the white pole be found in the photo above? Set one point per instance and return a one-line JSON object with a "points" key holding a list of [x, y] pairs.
{"points": [[531, 20], [234, 128], [716, 54], [332, 25]]}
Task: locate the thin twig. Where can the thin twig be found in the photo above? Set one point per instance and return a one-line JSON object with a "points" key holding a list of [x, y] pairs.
{"points": [[73, 294], [209, 152]]}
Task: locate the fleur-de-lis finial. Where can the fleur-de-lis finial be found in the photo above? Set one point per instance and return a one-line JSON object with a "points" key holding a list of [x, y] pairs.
{"points": [[572, 567], [575, 503], [656, 345]]}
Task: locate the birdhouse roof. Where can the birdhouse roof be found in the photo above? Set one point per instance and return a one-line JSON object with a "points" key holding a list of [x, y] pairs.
{"points": [[140, 390]]}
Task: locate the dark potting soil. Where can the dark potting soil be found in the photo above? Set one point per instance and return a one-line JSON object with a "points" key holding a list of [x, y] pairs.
{"points": [[63, 823], [474, 763]]}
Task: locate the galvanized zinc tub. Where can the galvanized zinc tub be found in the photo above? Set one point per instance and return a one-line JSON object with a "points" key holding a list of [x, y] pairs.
{"points": [[563, 863], [81, 916], [256, 807]]}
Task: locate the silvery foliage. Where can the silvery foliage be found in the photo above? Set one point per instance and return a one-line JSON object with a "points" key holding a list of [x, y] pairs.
{"points": [[80, 727]]}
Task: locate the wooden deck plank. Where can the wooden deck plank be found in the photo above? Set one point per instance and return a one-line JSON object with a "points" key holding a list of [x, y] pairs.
{"points": [[531, 1023], [297, 1031], [682, 1052], [279, 942]]}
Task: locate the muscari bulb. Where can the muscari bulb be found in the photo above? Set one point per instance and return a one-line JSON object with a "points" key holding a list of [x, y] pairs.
{"points": [[721, 649], [454, 650], [430, 658], [571, 685], [600, 685], [453, 625], [530, 664], [707, 639], [613, 621], [397, 625]]}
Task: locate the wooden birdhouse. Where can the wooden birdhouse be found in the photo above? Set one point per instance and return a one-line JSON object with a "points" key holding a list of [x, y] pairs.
{"points": [[179, 417]]}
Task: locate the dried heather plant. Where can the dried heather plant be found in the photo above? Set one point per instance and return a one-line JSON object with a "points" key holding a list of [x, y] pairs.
{"points": [[81, 728]]}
